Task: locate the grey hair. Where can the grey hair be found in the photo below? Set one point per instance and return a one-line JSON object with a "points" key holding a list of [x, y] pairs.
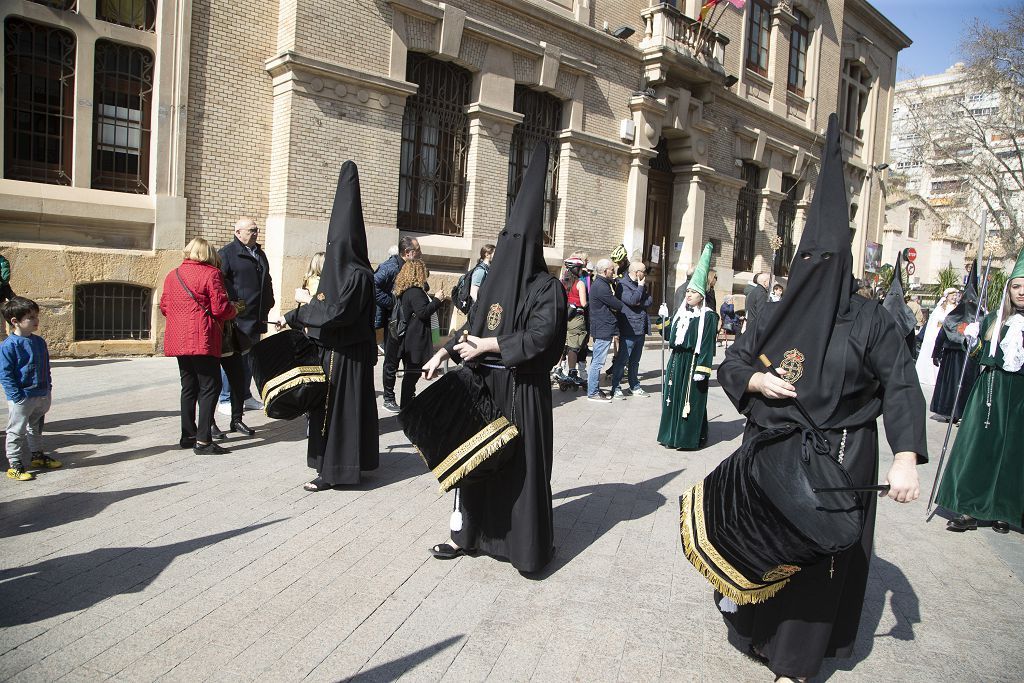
{"points": [[393, 250], [603, 265]]}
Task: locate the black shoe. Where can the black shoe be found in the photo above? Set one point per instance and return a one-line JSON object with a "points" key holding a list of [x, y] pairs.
{"points": [[962, 523], [187, 441], [217, 433], [391, 406], [209, 449], [1001, 527], [242, 428]]}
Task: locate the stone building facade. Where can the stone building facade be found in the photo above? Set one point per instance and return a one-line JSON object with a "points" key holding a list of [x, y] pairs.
{"points": [[661, 140]]}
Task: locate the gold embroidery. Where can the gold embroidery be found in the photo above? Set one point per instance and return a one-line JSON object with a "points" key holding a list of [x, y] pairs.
{"points": [[304, 374], [783, 571], [494, 316], [793, 365], [503, 437], [320, 296], [493, 429]]}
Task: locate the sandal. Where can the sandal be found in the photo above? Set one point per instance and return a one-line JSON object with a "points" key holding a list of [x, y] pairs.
{"points": [[317, 484], [446, 551]]}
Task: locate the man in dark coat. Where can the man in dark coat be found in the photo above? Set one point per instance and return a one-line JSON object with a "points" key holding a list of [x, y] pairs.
{"points": [[383, 284], [247, 278], [634, 326], [605, 307], [514, 336], [757, 297], [343, 433], [835, 371]]}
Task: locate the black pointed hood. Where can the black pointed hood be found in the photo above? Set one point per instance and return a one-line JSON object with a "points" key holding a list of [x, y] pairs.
{"points": [[797, 332], [345, 254], [965, 311], [518, 255], [895, 301]]}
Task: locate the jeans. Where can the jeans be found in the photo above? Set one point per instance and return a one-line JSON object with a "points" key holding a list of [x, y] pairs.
{"points": [[601, 347], [200, 383], [628, 358], [225, 383], [389, 372], [25, 428]]}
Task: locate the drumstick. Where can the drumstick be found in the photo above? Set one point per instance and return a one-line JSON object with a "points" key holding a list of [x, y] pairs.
{"points": [[844, 489]]}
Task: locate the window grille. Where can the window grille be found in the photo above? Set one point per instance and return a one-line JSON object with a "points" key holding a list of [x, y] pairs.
{"points": [[799, 35], [542, 119], [123, 97], [787, 217], [759, 29], [746, 219], [58, 4], [39, 102], [432, 171], [112, 310], [140, 14]]}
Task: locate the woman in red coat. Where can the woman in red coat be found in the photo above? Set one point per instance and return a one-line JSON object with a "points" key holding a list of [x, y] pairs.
{"points": [[196, 305]]}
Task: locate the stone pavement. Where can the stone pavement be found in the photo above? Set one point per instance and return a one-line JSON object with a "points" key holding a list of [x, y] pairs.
{"points": [[140, 561]]}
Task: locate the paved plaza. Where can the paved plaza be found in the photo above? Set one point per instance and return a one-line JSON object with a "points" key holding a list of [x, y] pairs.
{"points": [[140, 561]]}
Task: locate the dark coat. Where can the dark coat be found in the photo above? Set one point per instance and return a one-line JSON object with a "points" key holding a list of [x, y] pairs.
{"points": [[248, 279], [730, 321], [383, 285], [417, 307], [756, 300], [635, 302], [605, 309]]}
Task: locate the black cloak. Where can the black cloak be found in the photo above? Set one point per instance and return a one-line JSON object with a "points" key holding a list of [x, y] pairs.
{"points": [[339, 318], [956, 368], [895, 303], [524, 306], [966, 310]]}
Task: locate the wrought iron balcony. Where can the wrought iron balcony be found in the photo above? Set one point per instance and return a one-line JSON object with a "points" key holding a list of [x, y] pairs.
{"points": [[672, 37]]}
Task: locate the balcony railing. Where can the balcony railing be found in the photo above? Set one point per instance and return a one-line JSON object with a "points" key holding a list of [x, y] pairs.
{"points": [[667, 27]]}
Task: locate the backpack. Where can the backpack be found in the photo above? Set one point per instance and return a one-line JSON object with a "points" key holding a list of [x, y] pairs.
{"points": [[460, 292], [398, 324]]}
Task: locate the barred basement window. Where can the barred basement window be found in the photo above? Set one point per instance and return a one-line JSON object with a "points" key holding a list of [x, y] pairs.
{"points": [[121, 118], [432, 170], [542, 119], [746, 219], [787, 217], [140, 14], [112, 310], [39, 102]]}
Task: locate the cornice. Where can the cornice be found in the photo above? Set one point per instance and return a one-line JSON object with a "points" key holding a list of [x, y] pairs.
{"points": [[293, 62]]}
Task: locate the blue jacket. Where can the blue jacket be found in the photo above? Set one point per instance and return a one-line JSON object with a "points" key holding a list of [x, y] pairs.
{"points": [[635, 302], [25, 367], [248, 278], [383, 285], [604, 307]]}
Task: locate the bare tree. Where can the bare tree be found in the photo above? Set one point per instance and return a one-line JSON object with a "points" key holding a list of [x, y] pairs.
{"points": [[967, 131]]}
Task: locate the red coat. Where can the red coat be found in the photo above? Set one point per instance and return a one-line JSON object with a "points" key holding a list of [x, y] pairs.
{"points": [[189, 331]]}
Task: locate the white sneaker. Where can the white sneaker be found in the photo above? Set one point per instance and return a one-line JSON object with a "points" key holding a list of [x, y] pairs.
{"points": [[224, 408], [250, 404], [639, 392], [619, 394]]}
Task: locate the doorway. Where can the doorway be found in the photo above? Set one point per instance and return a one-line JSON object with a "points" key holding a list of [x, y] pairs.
{"points": [[656, 223]]}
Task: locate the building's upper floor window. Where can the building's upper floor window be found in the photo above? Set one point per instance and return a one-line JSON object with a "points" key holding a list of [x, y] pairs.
{"points": [[799, 37], [759, 30], [542, 119], [39, 102], [122, 101], [432, 166], [915, 218], [140, 14], [856, 86]]}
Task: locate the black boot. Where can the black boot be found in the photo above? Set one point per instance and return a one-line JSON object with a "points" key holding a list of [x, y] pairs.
{"points": [[962, 523]]}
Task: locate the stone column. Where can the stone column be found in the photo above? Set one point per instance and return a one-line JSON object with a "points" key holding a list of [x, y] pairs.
{"points": [[490, 137], [778, 60]]}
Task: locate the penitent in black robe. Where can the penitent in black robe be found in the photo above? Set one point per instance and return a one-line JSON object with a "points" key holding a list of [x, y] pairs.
{"points": [[869, 365], [509, 516], [951, 356]]}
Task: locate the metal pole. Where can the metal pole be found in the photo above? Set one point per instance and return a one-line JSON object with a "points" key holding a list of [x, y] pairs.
{"points": [[664, 300], [949, 427]]}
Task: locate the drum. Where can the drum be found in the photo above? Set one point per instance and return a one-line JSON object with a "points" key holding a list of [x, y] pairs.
{"points": [[288, 374], [458, 430]]}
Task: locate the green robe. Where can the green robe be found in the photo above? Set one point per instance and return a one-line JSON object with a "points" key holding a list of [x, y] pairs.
{"points": [[688, 432], [985, 475]]}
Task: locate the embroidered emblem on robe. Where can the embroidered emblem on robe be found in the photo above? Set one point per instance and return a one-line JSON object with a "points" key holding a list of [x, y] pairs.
{"points": [[782, 571], [494, 316], [320, 296], [793, 366]]}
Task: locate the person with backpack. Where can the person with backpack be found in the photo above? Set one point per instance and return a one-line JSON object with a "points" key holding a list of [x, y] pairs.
{"points": [[468, 287], [413, 310], [383, 286]]}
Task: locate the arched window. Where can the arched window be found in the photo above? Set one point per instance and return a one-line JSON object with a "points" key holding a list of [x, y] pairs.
{"points": [[856, 86], [542, 119], [39, 102], [746, 219], [123, 97], [112, 310], [432, 171]]}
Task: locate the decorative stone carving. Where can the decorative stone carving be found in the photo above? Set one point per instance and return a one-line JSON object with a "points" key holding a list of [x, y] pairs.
{"points": [[316, 85], [363, 96], [340, 90], [384, 101]]}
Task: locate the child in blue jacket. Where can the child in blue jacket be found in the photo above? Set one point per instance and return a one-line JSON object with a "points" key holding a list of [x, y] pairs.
{"points": [[25, 376]]}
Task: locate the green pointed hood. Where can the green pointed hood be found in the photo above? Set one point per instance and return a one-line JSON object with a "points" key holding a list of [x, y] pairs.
{"points": [[699, 281], [1018, 268]]}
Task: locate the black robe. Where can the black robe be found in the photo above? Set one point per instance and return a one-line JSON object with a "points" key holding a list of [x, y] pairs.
{"points": [[510, 516], [817, 614], [950, 356]]}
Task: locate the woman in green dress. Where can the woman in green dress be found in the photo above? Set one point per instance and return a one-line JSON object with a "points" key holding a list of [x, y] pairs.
{"points": [[985, 475], [684, 406]]}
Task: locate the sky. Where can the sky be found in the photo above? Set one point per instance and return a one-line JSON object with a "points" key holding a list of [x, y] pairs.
{"points": [[936, 27]]}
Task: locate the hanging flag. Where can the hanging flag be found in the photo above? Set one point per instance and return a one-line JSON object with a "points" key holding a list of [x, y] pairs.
{"points": [[708, 6], [738, 4]]}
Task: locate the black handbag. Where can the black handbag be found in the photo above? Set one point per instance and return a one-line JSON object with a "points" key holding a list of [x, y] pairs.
{"points": [[233, 340]]}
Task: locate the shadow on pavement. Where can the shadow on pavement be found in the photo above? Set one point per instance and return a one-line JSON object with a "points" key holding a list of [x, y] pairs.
{"points": [[645, 498], [77, 424], [87, 362], [393, 670], [77, 582], [719, 430], [28, 515], [886, 578]]}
